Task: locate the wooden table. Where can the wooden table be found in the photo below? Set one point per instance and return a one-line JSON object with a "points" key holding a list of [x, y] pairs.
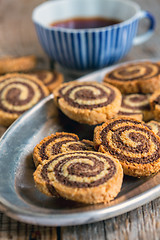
{"points": [[17, 38]]}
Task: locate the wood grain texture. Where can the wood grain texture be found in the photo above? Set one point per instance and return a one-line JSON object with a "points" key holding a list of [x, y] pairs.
{"points": [[142, 223], [10, 229], [17, 38], [17, 32]]}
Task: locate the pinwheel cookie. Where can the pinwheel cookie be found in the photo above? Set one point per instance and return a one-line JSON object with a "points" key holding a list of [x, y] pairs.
{"points": [[59, 142], [88, 102], [17, 64], [51, 79], [132, 143], [136, 106], [141, 77], [18, 93], [83, 176], [154, 126], [155, 104]]}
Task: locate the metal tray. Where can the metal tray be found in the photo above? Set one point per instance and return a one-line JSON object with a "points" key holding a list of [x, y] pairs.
{"points": [[22, 201]]}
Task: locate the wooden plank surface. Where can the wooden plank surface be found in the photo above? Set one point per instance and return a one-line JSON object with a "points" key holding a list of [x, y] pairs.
{"points": [[17, 38]]}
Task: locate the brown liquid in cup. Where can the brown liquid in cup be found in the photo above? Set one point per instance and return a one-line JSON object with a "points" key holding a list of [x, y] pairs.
{"points": [[83, 23]]}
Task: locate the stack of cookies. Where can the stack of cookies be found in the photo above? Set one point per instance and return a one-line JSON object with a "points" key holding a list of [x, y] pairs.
{"points": [[21, 86], [125, 105], [74, 170]]}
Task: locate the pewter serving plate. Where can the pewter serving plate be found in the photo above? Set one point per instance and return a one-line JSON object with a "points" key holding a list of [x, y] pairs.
{"points": [[22, 201]]}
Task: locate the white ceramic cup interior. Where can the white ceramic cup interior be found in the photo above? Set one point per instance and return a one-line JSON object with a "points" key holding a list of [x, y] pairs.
{"points": [[58, 10]]}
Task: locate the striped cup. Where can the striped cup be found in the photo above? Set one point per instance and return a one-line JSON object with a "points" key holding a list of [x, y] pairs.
{"points": [[94, 48]]}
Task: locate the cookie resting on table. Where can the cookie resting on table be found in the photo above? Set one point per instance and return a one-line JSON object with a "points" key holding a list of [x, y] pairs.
{"points": [[155, 104], [141, 77], [136, 106], [51, 79], [154, 126], [132, 143], [88, 102], [18, 93], [59, 142], [17, 64], [82, 176]]}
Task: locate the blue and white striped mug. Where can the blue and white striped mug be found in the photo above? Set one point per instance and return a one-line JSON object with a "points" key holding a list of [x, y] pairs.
{"points": [[94, 48]]}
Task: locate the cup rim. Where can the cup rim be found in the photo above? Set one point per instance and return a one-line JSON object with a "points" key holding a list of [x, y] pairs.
{"points": [[73, 30]]}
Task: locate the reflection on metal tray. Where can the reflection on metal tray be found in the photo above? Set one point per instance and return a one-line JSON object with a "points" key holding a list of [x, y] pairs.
{"points": [[21, 200]]}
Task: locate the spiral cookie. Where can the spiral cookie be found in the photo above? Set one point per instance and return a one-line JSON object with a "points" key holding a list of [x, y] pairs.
{"points": [[88, 102], [155, 104], [141, 77], [50, 79], [154, 126], [136, 106], [59, 142], [18, 93], [83, 176], [132, 143], [17, 64]]}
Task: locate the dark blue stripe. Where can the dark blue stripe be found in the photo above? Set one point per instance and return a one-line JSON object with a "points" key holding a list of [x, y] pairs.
{"points": [[99, 48], [117, 38], [87, 50], [80, 51], [56, 48], [73, 51], [70, 58], [118, 43], [48, 43], [63, 58], [112, 47], [107, 48], [121, 44], [93, 65]]}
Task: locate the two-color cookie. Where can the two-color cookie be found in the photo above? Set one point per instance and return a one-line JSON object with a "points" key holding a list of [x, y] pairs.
{"points": [[136, 106], [132, 143], [155, 104], [88, 102], [51, 79], [154, 126], [17, 64], [59, 142], [18, 93], [82, 176], [141, 77]]}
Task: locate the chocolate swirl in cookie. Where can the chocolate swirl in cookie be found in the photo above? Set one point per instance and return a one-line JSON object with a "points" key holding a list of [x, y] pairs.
{"points": [[18, 93], [135, 71], [80, 169], [82, 176], [88, 102], [141, 77], [155, 104], [136, 104], [154, 126], [87, 95], [129, 141], [59, 143], [51, 79]]}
